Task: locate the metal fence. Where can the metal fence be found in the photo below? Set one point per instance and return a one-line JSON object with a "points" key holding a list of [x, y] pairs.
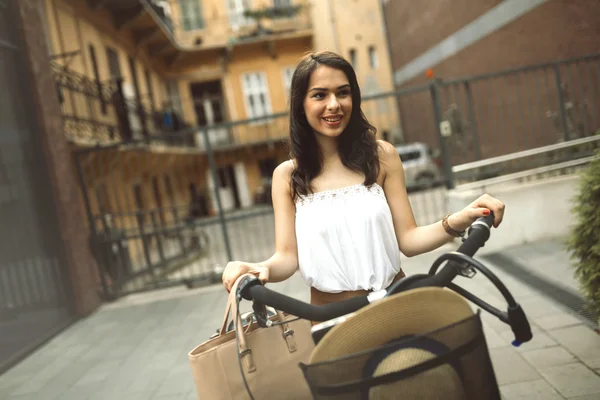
{"points": [[485, 116], [161, 219], [163, 213]]}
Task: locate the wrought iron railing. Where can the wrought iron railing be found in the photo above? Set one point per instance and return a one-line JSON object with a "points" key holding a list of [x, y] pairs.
{"points": [[98, 113], [86, 106]]}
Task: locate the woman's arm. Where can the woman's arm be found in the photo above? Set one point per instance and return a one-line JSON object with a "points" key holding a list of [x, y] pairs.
{"points": [[412, 239], [284, 262]]}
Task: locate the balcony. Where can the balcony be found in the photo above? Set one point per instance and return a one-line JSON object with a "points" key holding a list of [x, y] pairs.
{"points": [[98, 113], [270, 23], [224, 29], [150, 22], [157, 28]]}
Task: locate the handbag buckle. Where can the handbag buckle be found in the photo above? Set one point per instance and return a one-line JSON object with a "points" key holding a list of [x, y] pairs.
{"points": [[244, 352], [288, 332]]}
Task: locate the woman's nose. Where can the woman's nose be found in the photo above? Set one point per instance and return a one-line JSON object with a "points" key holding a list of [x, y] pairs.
{"points": [[332, 103]]}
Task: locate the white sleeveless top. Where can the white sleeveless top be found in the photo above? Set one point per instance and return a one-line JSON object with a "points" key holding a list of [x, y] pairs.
{"points": [[346, 239]]}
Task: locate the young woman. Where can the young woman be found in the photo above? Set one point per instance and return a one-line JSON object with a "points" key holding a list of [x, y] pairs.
{"points": [[342, 214]]}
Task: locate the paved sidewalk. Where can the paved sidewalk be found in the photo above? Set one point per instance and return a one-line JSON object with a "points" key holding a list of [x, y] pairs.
{"points": [[137, 348]]}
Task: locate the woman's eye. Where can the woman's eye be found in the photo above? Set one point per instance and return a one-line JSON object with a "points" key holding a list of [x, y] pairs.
{"points": [[345, 93], [318, 95]]}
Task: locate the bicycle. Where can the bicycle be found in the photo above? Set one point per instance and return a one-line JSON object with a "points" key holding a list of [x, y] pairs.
{"points": [[452, 358]]}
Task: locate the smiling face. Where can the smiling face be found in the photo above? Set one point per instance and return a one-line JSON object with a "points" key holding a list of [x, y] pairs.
{"points": [[328, 101]]}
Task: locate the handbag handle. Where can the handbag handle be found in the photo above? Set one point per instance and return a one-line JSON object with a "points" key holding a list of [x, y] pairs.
{"points": [[244, 352], [230, 300]]}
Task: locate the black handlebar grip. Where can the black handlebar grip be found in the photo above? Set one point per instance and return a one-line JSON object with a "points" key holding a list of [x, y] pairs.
{"points": [[488, 219], [519, 324], [246, 284], [479, 233]]}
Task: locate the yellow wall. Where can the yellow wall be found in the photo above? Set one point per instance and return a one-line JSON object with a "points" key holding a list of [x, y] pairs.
{"points": [[216, 26], [217, 30], [341, 25], [249, 58], [253, 175], [195, 68], [336, 25], [73, 26], [255, 58]]}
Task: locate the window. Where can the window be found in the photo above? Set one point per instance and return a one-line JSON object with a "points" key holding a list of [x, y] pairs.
{"points": [[288, 72], [139, 202], [158, 198], [102, 199], [373, 57], [191, 15], [170, 192], [267, 166], [113, 62], [236, 13], [409, 155], [134, 77], [352, 54], [256, 94], [282, 3], [150, 88], [97, 78]]}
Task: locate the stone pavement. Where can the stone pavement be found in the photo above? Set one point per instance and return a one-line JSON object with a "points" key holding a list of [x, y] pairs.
{"points": [[137, 348]]}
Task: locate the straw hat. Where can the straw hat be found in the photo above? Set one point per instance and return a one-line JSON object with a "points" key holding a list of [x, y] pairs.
{"points": [[388, 336]]}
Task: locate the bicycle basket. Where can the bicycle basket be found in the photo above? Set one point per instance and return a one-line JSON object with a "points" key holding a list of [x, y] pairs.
{"points": [[451, 362]]}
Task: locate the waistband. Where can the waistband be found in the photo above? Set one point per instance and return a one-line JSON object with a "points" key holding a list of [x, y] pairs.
{"points": [[319, 298]]}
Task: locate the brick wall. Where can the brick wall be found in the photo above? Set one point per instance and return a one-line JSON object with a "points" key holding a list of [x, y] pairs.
{"points": [[81, 266], [414, 26], [510, 111]]}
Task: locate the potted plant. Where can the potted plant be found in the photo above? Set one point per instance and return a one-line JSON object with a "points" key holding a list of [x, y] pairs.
{"points": [[583, 242]]}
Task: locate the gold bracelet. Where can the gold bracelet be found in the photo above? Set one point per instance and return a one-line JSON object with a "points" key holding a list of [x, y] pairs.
{"points": [[449, 230]]}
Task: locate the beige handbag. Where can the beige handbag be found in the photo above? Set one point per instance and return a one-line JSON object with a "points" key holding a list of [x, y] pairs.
{"points": [[268, 357]]}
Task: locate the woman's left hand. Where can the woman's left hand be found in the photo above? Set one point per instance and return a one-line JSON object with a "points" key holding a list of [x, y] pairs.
{"points": [[479, 208]]}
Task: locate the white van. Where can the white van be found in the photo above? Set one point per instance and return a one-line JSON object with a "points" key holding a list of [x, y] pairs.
{"points": [[420, 166]]}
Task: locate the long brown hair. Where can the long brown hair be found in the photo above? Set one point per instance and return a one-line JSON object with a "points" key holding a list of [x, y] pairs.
{"points": [[357, 145]]}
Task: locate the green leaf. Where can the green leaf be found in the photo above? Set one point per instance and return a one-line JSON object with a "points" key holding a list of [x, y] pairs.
{"points": [[583, 243]]}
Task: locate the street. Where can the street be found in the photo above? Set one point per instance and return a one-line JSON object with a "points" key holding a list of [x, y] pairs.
{"points": [[136, 348]]}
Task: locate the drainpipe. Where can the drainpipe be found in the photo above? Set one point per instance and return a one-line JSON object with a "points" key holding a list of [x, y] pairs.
{"points": [[391, 65], [334, 27]]}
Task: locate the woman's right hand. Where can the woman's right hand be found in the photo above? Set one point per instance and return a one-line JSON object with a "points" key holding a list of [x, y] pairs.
{"points": [[235, 269]]}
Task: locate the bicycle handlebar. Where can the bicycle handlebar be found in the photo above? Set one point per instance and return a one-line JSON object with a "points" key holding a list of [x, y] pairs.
{"points": [[479, 232], [279, 301]]}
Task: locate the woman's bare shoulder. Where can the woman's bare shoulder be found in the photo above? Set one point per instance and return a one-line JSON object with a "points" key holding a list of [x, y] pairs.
{"points": [[389, 160], [386, 150], [284, 171]]}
